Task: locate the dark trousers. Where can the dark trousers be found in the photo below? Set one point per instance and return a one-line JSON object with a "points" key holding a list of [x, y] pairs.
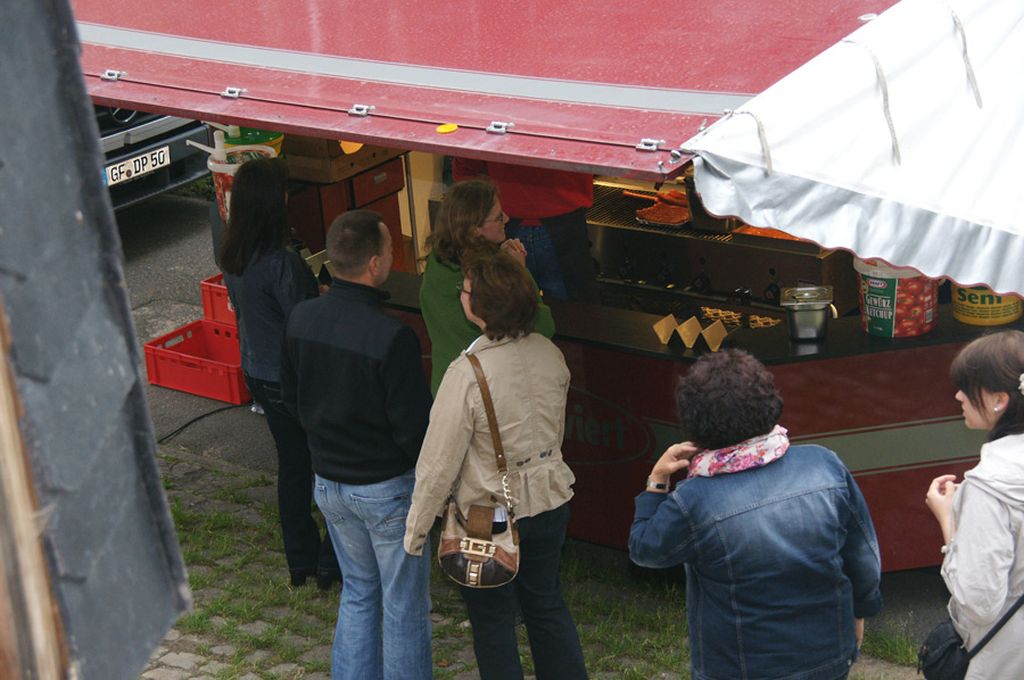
{"points": [[304, 549], [537, 591]]}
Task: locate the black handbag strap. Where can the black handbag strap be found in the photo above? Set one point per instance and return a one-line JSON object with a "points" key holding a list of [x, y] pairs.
{"points": [[492, 423], [995, 629]]}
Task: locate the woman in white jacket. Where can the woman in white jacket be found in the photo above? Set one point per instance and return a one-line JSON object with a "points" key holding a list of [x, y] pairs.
{"points": [[982, 518]]}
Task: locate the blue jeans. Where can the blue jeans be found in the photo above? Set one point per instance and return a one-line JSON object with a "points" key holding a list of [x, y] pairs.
{"points": [[540, 258], [558, 256], [367, 524]]}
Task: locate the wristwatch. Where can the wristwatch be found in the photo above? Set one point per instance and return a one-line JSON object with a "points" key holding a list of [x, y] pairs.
{"points": [[656, 486]]}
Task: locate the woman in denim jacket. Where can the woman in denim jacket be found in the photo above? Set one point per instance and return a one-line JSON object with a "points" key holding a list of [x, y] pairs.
{"points": [[982, 518], [781, 558]]}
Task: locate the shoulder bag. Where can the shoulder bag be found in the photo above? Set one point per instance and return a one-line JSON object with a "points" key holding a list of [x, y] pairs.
{"points": [[469, 553], [943, 655]]}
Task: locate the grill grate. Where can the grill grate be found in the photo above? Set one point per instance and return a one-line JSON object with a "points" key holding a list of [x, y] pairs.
{"points": [[612, 209]]}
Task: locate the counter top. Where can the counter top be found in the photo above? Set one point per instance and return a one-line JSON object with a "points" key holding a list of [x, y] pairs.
{"points": [[631, 331]]}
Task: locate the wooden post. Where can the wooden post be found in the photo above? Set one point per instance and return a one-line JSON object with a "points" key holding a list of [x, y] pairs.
{"points": [[31, 632]]}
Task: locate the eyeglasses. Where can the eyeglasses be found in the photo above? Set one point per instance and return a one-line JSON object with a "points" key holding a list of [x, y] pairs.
{"points": [[500, 217], [459, 290]]}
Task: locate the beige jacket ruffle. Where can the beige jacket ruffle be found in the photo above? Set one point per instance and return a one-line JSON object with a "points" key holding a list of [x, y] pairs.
{"points": [[529, 381]]}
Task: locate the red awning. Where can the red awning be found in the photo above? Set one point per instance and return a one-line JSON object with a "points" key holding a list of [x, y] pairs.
{"points": [[583, 84]]}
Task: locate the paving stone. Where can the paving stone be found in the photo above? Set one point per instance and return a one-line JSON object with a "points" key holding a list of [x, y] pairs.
{"points": [[182, 660], [259, 656], [218, 621], [166, 674], [285, 670], [255, 628], [224, 650], [213, 667], [279, 612], [207, 595], [318, 653], [172, 635], [250, 676]]}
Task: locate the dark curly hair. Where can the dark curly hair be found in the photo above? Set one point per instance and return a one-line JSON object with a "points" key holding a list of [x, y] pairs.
{"points": [[727, 397]]}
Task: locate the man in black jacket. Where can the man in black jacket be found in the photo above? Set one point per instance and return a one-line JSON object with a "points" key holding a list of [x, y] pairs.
{"points": [[352, 374]]}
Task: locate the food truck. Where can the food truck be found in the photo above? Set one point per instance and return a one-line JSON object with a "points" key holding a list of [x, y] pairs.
{"points": [[615, 90]]}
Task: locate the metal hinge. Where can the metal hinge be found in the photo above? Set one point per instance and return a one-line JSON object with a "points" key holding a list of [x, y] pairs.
{"points": [[499, 127], [361, 109], [112, 74], [647, 144], [232, 92]]}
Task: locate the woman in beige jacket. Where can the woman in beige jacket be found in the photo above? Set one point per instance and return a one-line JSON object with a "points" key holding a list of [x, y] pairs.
{"points": [[528, 381]]}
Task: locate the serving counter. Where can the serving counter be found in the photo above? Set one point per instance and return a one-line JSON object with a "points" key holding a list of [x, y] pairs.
{"points": [[885, 406]]}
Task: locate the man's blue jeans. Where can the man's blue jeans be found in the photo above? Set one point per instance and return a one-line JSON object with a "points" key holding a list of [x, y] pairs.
{"points": [[367, 524]]}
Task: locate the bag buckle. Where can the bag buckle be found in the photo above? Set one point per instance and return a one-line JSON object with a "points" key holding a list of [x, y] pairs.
{"points": [[477, 548]]}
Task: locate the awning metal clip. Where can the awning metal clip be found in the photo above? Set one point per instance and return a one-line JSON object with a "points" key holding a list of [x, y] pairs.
{"points": [[499, 127], [647, 144], [361, 109], [112, 74], [232, 92]]}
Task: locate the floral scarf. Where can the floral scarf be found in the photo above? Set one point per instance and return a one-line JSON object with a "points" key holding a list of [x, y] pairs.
{"points": [[751, 453]]}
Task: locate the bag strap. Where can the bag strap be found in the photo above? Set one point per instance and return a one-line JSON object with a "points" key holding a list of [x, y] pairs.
{"points": [[492, 423], [995, 629]]}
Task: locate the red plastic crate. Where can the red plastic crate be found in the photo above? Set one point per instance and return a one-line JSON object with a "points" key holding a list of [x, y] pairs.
{"points": [[201, 358], [216, 305]]}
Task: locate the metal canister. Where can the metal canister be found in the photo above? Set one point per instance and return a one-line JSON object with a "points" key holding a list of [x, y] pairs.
{"points": [[808, 309]]}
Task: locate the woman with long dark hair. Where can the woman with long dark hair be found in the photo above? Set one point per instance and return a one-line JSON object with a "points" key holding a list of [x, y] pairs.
{"points": [[982, 518], [265, 279]]}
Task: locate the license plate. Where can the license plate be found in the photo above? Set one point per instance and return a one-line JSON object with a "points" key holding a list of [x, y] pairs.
{"points": [[137, 166]]}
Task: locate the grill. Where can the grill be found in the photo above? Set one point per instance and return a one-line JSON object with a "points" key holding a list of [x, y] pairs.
{"points": [[612, 209]]}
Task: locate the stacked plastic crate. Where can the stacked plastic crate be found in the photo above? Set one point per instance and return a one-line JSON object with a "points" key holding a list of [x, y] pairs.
{"points": [[202, 357]]}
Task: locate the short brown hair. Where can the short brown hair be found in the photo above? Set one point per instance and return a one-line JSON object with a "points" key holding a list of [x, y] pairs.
{"points": [[993, 363], [463, 209], [727, 397], [502, 293], [354, 237]]}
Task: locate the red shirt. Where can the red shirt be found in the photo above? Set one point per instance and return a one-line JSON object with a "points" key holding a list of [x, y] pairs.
{"points": [[531, 193]]}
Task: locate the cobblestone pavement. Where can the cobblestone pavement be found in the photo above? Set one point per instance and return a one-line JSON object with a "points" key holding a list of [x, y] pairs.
{"points": [[286, 632]]}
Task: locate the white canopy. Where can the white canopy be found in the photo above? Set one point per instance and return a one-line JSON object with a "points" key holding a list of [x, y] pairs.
{"points": [[944, 193]]}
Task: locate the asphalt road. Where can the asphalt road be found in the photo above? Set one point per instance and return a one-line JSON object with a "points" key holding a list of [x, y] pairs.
{"points": [[168, 250]]}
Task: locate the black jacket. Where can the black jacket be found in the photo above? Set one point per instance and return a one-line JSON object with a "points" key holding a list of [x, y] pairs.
{"points": [[262, 296], [353, 376]]}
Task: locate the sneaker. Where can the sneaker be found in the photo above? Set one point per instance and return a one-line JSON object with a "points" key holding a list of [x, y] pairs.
{"points": [[257, 409]]}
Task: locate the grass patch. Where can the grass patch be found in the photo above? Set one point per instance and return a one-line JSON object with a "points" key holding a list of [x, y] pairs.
{"points": [[890, 647], [632, 624]]}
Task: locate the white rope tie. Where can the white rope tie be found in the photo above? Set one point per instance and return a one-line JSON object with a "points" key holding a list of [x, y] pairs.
{"points": [[884, 86], [967, 57], [766, 152]]}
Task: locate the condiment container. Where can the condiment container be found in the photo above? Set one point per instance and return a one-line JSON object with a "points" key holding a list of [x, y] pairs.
{"points": [[979, 306], [895, 302], [808, 309]]}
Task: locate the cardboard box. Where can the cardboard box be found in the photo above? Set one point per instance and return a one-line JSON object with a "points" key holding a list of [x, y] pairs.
{"points": [[314, 147], [327, 169]]}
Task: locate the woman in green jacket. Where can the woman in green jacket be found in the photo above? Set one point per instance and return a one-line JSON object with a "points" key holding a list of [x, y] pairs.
{"points": [[470, 218]]}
